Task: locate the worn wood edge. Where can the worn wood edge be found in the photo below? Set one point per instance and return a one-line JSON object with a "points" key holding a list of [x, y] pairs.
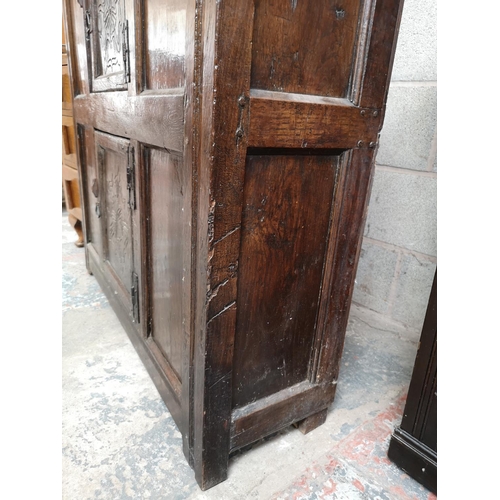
{"points": [[226, 74], [384, 33], [416, 459], [154, 371], [360, 58], [350, 227], [277, 411], [312, 422], [274, 95], [327, 275], [166, 367], [192, 127]]}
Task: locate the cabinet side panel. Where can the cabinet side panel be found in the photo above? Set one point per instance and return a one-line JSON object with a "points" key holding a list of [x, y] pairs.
{"points": [[285, 225], [304, 46], [166, 253], [164, 41]]}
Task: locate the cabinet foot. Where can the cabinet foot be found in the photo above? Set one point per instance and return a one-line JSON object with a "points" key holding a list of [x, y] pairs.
{"points": [[310, 423]]}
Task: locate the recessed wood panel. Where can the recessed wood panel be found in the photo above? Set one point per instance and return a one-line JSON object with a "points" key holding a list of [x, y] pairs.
{"points": [[285, 225], [304, 46], [164, 43], [107, 36], [166, 220], [114, 209]]}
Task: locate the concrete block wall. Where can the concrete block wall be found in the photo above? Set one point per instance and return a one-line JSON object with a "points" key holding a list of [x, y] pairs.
{"points": [[399, 252]]}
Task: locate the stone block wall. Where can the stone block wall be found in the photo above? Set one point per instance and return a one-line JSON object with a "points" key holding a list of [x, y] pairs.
{"points": [[399, 252]]}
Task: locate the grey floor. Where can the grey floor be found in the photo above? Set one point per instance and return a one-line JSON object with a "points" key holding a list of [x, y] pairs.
{"points": [[120, 442]]}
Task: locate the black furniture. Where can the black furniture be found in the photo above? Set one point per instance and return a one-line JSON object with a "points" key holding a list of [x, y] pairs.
{"points": [[413, 445]]}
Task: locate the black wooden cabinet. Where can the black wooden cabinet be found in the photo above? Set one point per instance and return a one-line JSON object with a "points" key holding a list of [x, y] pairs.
{"points": [[413, 445]]}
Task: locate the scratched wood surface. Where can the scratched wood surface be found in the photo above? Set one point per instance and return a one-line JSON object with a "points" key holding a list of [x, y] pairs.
{"points": [[251, 130], [287, 204], [304, 46]]}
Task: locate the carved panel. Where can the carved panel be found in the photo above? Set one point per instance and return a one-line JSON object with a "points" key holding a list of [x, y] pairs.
{"points": [[115, 213], [107, 36], [110, 26]]}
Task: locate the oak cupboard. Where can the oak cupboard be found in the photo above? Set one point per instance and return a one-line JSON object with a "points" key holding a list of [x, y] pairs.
{"points": [[226, 151]]}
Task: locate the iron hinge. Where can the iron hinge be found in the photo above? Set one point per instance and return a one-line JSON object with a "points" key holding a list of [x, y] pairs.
{"points": [[131, 178], [126, 52], [88, 25], [134, 293]]}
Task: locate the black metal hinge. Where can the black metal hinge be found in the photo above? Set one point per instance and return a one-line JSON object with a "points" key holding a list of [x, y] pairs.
{"points": [[126, 52], [88, 25], [134, 293], [131, 178]]}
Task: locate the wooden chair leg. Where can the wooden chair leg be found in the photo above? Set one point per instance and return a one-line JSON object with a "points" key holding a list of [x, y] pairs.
{"points": [[77, 226]]}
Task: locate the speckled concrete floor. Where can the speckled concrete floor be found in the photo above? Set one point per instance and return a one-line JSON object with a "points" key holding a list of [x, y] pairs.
{"points": [[120, 442]]}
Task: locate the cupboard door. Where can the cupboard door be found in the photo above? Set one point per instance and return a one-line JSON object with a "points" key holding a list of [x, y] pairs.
{"points": [[166, 217], [116, 203], [127, 62]]}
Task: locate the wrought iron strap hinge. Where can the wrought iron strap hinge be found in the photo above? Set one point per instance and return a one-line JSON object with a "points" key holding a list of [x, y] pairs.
{"points": [[134, 293], [131, 178], [126, 52]]}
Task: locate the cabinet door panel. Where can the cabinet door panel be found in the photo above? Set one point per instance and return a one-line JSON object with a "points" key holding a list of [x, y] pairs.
{"points": [[164, 44], [304, 46], [165, 254], [285, 226], [113, 156], [107, 42]]}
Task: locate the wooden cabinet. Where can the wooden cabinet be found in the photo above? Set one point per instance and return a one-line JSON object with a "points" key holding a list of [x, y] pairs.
{"points": [[70, 179], [227, 150], [413, 445]]}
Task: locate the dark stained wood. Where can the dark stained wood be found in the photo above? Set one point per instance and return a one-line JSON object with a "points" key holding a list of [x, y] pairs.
{"points": [[310, 423], [304, 46], [166, 218], [116, 217], [164, 43], [380, 52], [270, 414], [224, 129], [154, 120], [279, 120], [192, 127], [286, 215], [246, 134], [155, 371], [117, 121], [344, 247], [105, 25]]}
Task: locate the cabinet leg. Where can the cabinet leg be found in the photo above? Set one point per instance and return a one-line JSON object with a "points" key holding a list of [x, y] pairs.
{"points": [[212, 472], [310, 423], [77, 226]]}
